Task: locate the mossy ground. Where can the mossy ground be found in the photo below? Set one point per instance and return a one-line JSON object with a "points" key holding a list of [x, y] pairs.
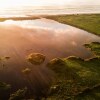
{"points": [[76, 79]]}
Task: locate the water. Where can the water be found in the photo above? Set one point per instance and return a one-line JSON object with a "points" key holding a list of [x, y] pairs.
{"points": [[43, 35], [20, 38], [50, 10]]}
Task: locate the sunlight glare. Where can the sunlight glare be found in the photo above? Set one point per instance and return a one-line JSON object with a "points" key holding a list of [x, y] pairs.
{"points": [[13, 3], [8, 22]]}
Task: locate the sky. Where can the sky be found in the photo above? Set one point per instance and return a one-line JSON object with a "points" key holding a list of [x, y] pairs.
{"points": [[8, 3]]}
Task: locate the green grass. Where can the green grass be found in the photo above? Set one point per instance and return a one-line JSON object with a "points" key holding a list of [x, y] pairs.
{"points": [[18, 18], [76, 78], [88, 22]]}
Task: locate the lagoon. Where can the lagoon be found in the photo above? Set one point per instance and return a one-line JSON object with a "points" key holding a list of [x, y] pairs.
{"points": [[51, 38]]}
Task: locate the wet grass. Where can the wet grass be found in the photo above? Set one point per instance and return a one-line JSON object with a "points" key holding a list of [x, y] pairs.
{"points": [[18, 18], [88, 22], [75, 76]]}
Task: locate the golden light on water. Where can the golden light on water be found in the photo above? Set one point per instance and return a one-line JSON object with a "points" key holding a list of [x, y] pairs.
{"points": [[8, 22]]}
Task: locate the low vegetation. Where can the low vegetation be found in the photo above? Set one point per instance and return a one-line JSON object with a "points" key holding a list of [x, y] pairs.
{"points": [[76, 78], [36, 58], [4, 90], [18, 18], [4, 86], [19, 94]]}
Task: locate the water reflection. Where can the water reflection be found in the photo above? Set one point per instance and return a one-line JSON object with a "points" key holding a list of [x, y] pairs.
{"points": [[53, 39], [45, 36]]}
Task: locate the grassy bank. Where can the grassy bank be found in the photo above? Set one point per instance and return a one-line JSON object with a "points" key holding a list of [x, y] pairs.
{"points": [[19, 18], [76, 79], [88, 22]]}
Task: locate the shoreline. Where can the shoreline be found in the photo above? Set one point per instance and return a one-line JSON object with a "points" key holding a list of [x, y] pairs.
{"points": [[62, 18], [32, 17]]}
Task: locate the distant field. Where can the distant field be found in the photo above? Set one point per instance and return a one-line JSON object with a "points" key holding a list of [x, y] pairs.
{"points": [[88, 22]]}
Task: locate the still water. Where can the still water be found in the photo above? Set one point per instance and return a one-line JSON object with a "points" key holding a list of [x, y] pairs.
{"points": [[53, 39], [45, 36]]}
